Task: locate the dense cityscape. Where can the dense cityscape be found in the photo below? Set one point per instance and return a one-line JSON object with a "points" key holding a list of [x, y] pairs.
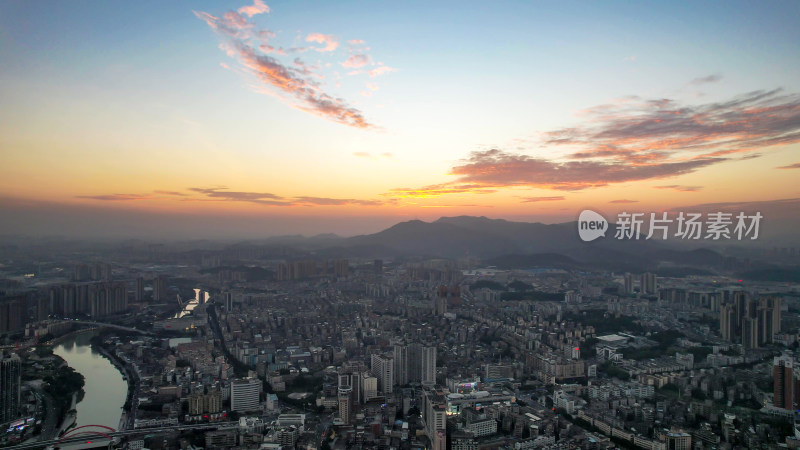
{"points": [[274, 346], [416, 225]]}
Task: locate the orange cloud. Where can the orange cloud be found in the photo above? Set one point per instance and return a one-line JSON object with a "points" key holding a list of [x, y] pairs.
{"points": [[222, 194], [635, 140], [437, 190], [541, 199], [680, 188], [117, 197]]}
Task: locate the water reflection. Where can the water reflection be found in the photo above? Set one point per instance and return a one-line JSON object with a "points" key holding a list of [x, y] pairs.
{"points": [[187, 308], [105, 389]]}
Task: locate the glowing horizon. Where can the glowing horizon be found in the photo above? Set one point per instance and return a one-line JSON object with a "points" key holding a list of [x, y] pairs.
{"points": [[263, 109]]}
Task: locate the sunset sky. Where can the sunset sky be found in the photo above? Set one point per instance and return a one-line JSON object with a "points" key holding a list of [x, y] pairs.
{"points": [[350, 116]]}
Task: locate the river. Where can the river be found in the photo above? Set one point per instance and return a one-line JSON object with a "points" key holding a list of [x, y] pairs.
{"points": [[105, 389]]}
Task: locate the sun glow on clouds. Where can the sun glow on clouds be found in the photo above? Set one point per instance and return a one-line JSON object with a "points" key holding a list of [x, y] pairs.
{"points": [[295, 82], [634, 140]]}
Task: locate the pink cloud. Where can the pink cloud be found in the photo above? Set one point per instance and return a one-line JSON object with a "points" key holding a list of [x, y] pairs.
{"points": [[296, 83], [640, 131], [330, 41], [381, 70], [633, 139], [356, 61], [258, 7]]}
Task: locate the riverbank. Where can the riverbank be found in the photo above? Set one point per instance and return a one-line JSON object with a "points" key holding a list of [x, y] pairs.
{"points": [[105, 381], [128, 374]]}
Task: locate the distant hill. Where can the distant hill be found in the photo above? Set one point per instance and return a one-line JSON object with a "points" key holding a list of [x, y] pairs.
{"points": [[508, 244]]}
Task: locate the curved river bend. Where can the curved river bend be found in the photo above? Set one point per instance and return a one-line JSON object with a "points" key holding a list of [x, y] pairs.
{"points": [[105, 389]]}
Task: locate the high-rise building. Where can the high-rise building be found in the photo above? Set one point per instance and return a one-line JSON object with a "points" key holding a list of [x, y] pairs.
{"points": [[727, 320], [401, 364], [414, 362], [205, 403], [10, 387], [434, 412], [341, 268], [244, 395], [80, 272], [377, 266], [139, 292], [13, 313], [785, 386], [428, 366], [747, 321], [648, 283], [100, 272], [369, 386], [383, 369], [160, 288], [628, 283], [345, 395], [228, 296]]}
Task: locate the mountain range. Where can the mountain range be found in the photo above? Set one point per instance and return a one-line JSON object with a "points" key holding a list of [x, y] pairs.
{"points": [[508, 244]]}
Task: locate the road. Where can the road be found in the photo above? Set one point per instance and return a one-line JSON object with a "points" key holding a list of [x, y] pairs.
{"points": [[138, 431]]}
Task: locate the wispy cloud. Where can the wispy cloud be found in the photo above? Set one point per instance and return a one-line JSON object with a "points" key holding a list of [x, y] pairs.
{"points": [[294, 82], [679, 188], [116, 197], [437, 190], [542, 199], [158, 194], [356, 61], [222, 194], [324, 201], [368, 155], [790, 166], [634, 139], [499, 168], [487, 171], [705, 80], [380, 70], [639, 131], [624, 201], [172, 193]]}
